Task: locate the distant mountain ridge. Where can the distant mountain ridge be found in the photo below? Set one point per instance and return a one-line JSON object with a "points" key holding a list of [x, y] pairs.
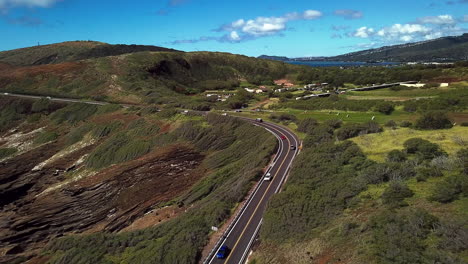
{"points": [[278, 58], [445, 49]]}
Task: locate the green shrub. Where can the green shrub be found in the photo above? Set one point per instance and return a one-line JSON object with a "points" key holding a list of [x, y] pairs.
{"points": [[319, 135], [306, 125], [6, 152], [108, 108], [406, 124], [464, 124], [77, 134], [396, 156], [462, 154], [41, 105], [395, 194], [384, 172], [450, 189], [168, 113], [391, 124], [423, 172], [353, 130], [433, 120], [318, 190], [73, 113], [398, 237], [334, 123], [283, 117], [410, 106], [118, 148], [45, 137], [385, 108], [104, 130], [424, 149]]}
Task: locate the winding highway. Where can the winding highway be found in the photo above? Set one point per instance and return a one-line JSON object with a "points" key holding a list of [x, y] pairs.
{"points": [[241, 234]]}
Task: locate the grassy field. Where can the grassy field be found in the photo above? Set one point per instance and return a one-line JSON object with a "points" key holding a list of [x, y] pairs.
{"points": [[345, 116], [401, 95], [376, 146]]}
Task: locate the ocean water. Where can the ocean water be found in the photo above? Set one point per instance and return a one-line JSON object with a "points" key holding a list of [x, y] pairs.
{"points": [[340, 63]]}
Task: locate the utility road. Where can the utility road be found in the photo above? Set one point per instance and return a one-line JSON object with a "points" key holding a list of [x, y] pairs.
{"points": [[242, 232]]}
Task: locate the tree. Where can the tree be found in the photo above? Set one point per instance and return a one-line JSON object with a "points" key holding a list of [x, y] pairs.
{"points": [[385, 108], [423, 148], [395, 194], [434, 120]]}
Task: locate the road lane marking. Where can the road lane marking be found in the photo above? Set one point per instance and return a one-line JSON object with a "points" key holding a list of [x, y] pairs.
{"points": [[258, 205], [271, 166]]}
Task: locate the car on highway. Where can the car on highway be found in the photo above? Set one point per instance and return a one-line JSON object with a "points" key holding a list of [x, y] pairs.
{"points": [[267, 177], [48, 97], [222, 252], [6, 93], [224, 114], [293, 147], [259, 120], [283, 137], [238, 110]]}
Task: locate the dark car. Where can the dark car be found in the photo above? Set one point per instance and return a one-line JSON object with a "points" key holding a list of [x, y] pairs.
{"points": [[283, 137], [222, 252]]}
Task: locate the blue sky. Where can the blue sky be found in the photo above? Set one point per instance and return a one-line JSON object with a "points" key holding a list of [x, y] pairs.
{"points": [[252, 27]]}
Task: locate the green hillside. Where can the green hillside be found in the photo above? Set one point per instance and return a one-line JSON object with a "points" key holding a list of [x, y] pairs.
{"points": [[133, 77]]}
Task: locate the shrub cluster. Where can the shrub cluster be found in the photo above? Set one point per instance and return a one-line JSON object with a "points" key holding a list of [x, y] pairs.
{"points": [[354, 130]]}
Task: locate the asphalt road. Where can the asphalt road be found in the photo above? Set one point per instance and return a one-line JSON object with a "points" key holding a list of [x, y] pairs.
{"points": [[240, 237]]}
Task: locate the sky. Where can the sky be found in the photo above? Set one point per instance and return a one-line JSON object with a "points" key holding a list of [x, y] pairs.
{"points": [[293, 28]]}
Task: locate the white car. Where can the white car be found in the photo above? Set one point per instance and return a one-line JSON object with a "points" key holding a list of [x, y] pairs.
{"points": [[268, 177], [6, 93], [48, 97]]}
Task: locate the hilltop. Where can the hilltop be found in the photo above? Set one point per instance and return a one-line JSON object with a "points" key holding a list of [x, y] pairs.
{"points": [[70, 51]]}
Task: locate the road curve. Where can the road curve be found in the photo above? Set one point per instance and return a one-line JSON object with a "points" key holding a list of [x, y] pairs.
{"points": [[242, 232]]}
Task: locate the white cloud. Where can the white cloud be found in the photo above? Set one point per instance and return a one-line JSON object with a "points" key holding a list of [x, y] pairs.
{"points": [[238, 23], [234, 36], [263, 26], [349, 13], [363, 32], [426, 28], [403, 29], [406, 38], [437, 20], [465, 18], [312, 14], [26, 3]]}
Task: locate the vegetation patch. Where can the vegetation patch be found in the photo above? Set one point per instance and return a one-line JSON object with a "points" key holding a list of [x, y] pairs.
{"points": [[376, 146], [6, 152]]}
